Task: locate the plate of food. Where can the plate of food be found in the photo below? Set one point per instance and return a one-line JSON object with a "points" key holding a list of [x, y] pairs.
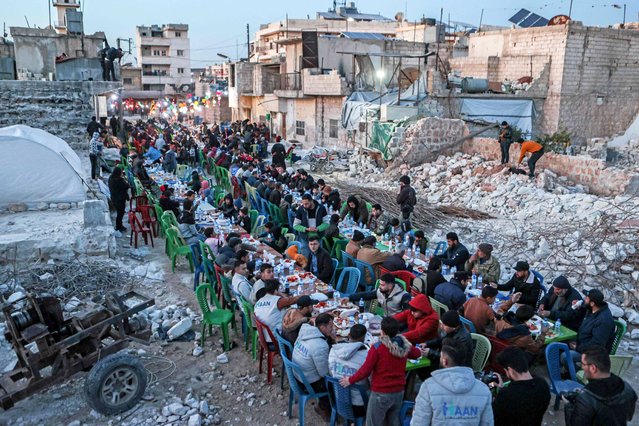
{"points": [[321, 305], [292, 278], [534, 328], [420, 269], [305, 275], [341, 323]]}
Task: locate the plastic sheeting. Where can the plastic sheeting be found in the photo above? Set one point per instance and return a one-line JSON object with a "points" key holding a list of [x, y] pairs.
{"points": [[38, 167], [517, 112]]}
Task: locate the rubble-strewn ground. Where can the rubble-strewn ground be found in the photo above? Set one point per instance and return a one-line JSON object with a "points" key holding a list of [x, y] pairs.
{"points": [[194, 390]]}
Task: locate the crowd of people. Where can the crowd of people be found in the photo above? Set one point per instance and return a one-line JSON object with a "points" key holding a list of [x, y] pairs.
{"points": [[410, 328]]}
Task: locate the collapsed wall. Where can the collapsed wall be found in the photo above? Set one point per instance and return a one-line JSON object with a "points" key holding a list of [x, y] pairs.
{"points": [[62, 108], [590, 172], [429, 138]]}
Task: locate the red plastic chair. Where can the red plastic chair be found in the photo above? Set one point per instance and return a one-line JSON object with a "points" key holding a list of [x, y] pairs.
{"points": [[270, 348], [149, 218], [138, 228], [405, 276], [136, 202], [497, 345]]}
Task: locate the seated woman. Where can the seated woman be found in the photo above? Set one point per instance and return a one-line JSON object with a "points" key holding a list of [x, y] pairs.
{"points": [[227, 206], [186, 225], [168, 204]]}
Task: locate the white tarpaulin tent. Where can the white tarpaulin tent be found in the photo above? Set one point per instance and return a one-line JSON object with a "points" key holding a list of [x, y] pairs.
{"points": [[38, 167], [517, 112]]}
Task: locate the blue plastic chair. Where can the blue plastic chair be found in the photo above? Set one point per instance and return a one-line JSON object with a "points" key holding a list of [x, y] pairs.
{"points": [[539, 277], [198, 267], [341, 401], [367, 284], [299, 389], [335, 265], [553, 361], [353, 277], [347, 259], [468, 324], [284, 345], [440, 248], [404, 417]]}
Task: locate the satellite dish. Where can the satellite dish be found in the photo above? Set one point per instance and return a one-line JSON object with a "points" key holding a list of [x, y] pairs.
{"points": [[558, 20]]}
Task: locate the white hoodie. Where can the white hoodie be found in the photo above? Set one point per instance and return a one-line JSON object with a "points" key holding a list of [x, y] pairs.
{"points": [[344, 360]]}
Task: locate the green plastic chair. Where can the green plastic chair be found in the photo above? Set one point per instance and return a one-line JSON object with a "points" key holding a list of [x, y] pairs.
{"points": [[213, 315], [158, 215], [481, 352], [338, 247], [620, 330], [253, 214], [619, 364], [250, 335], [170, 216], [375, 308], [177, 247], [439, 307], [228, 299]]}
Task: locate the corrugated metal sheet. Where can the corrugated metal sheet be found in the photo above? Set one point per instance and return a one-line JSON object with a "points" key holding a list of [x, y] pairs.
{"points": [[364, 36]]}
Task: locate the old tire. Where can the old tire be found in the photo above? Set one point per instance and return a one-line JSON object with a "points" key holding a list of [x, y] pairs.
{"points": [[313, 167], [329, 168], [115, 384]]}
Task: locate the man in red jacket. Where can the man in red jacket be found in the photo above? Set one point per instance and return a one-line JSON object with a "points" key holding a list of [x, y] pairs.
{"points": [[386, 360], [421, 319]]}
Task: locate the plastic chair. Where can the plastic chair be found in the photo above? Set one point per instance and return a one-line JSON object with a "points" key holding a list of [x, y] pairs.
{"points": [[158, 217], [250, 330], [216, 316], [342, 402], [259, 224], [367, 279], [170, 217], [137, 201], [553, 362], [481, 352], [407, 277], [347, 260], [440, 248], [266, 347], [619, 364], [468, 324], [177, 247], [620, 330], [295, 243], [439, 307], [286, 348], [290, 237], [404, 416], [228, 301], [338, 247], [300, 389], [352, 277], [539, 277], [138, 228], [198, 267]]}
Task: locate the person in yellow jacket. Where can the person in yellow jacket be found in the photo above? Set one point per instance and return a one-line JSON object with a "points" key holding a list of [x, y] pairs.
{"points": [[535, 149]]}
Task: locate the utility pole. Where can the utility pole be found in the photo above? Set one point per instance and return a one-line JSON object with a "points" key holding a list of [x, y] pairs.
{"points": [[570, 10], [248, 44], [624, 15], [481, 18], [122, 134], [49, 3]]}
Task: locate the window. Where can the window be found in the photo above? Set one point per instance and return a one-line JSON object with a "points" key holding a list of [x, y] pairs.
{"points": [[164, 53], [180, 52], [299, 128], [180, 70], [156, 53], [127, 80], [332, 129], [143, 34], [178, 34]]}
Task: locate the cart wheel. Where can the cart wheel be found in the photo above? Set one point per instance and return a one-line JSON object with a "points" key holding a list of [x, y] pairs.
{"points": [[115, 384], [313, 167], [329, 168]]}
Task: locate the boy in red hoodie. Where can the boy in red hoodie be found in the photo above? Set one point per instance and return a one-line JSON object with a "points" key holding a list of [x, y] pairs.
{"points": [[386, 360], [421, 319]]}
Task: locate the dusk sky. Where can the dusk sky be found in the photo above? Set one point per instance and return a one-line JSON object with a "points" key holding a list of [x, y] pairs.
{"points": [[218, 26]]}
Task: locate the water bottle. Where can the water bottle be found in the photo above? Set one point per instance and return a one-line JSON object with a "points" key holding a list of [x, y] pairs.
{"points": [[336, 296], [361, 305], [473, 281], [407, 241], [361, 225], [287, 287], [558, 326], [258, 264], [416, 252], [480, 281], [251, 256]]}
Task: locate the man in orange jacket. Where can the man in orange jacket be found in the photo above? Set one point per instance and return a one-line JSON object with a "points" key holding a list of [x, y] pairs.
{"points": [[535, 149], [421, 320]]}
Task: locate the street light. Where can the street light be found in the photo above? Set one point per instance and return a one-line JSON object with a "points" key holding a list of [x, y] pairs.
{"points": [[380, 75], [221, 55]]}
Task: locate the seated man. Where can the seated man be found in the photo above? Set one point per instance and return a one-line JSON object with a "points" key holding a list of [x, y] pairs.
{"points": [[420, 242], [512, 327], [396, 262], [379, 220], [372, 255], [452, 293], [606, 399], [526, 398], [354, 244], [240, 283], [598, 326], [265, 273], [525, 282], [319, 261], [479, 310], [561, 303], [451, 327], [428, 282], [269, 309], [346, 358], [294, 318], [456, 254], [311, 218], [390, 296], [311, 354], [420, 320], [483, 263]]}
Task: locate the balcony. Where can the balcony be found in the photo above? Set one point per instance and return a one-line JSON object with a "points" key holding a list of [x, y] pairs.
{"points": [[318, 83], [290, 86], [155, 41]]}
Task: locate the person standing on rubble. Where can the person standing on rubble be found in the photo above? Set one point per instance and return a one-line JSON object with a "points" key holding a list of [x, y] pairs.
{"points": [[535, 149], [407, 198], [505, 139]]}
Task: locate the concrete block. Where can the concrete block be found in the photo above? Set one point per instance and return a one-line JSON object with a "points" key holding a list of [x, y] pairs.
{"points": [[96, 214]]}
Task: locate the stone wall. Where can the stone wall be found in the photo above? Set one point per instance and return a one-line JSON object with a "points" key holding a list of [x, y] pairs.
{"points": [[429, 138], [587, 171], [60, 108]]}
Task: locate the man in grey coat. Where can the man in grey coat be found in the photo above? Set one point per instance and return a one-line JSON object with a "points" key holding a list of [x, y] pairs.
{"points": [[452, 395]]}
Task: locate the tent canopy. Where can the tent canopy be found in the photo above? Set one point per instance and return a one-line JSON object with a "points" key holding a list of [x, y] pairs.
{"points": [[517, 112], [38, 167]]}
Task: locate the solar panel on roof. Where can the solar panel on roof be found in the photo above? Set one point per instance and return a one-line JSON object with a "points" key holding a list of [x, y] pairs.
{"points": [[540, 23], [530, 20], [519, 16]]}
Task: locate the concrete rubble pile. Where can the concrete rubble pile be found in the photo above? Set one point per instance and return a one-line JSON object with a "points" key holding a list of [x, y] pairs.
{"points": [[552, 223]]}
